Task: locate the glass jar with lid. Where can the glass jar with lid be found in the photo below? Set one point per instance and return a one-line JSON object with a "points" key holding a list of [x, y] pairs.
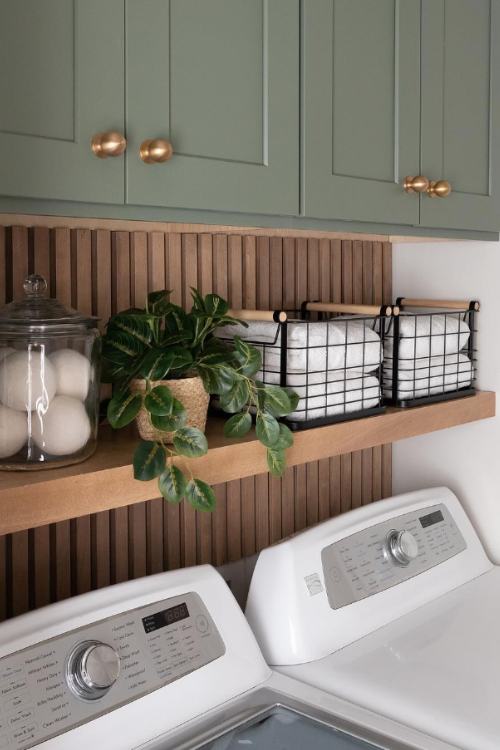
{"points": [[49, 381]]}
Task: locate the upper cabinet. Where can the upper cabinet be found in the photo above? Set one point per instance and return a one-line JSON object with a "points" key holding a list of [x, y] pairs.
{"points": [[304, 110], [461, 112], [219, 80], [61, 80], [361, 109]]}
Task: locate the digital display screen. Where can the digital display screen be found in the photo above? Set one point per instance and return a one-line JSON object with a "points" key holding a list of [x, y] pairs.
{"points": [[165, 617], [431, 519]]}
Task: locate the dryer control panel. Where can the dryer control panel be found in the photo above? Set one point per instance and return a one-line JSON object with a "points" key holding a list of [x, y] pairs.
{"points": [[389, 553], [66, 681]]}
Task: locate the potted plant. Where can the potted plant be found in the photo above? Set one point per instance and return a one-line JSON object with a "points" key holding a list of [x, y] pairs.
{"points": [[163, 361]]}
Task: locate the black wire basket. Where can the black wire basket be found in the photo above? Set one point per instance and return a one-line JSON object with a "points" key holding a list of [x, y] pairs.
{"points": [[430, 352], [330, 354]]}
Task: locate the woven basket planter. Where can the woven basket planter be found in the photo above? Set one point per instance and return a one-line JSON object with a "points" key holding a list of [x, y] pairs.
{"points": [[189, 391]]}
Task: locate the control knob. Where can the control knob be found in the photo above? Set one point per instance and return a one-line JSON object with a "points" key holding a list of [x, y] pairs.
{"points": [[92, 669], [401, 547]]}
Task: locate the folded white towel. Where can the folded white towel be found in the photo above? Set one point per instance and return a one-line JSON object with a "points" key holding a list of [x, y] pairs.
{"points": [[429, 376], [314, 347], [428, 335], [337, 396]]}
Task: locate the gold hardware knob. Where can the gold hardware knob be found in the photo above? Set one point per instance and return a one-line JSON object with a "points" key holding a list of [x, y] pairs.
{"points": [[418, 184], [156, 150], [439, 189], [107, 144]]}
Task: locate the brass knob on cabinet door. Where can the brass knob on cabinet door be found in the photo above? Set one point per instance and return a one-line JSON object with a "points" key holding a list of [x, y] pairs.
{"points": [[110, 143], [439, 189], [418, 184], [156, 150]]}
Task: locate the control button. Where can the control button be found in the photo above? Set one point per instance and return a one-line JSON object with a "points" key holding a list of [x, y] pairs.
{"points": [[401, 547], [92, 669], [202, 625]]}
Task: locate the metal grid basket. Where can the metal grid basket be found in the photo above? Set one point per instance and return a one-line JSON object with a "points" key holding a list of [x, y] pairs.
{"points": [[430, 352], [330, 354]]}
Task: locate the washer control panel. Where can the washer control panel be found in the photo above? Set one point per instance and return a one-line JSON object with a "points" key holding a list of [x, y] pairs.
{"points": [[389, 553], [52, 687]]}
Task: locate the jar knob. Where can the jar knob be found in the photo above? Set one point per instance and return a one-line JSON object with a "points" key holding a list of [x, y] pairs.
{"points": [[34, 285]]}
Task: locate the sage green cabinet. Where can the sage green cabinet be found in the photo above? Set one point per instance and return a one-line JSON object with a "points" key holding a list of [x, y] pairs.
{"points": [[361, 109], [61, 81], [219, 80], [461, 112]]}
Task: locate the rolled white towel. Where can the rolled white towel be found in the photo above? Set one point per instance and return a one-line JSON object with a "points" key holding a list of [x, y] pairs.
{"points": [[428, 335], [429, 376], [314, 347], [337, 396]]}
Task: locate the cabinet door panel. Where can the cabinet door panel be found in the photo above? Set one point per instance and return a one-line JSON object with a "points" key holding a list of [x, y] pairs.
{"points": [[461, 111], [219, 79], [61, 81], [361, 109]]}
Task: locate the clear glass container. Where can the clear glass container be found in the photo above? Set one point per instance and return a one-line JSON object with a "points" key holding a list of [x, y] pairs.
{"points": [[49, 381]]}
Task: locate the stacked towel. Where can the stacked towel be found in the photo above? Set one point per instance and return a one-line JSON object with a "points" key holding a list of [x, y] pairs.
{"points": [[319, 398], [430, 360], [314, 347]]}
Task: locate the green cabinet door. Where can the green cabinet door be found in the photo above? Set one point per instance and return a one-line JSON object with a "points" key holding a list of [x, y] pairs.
{"points": [[361, 71], [219, 80], [461, 112], [61, 81]]}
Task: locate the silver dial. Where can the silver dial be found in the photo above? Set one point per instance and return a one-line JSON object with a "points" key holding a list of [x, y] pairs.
{"points": [[401, 547], [92, 669]]}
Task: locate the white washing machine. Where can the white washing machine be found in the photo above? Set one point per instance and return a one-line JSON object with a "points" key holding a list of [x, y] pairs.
{"points": [[394, 607], [166, 662]]}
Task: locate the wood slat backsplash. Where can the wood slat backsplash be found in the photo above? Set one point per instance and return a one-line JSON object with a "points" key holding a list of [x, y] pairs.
{"points": [[101, 271]]}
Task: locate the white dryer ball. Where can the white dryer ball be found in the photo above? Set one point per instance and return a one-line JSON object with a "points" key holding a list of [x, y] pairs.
{"points": [[72, 373], [27, 381], [5, 351], [63, 429], [13, 431]]}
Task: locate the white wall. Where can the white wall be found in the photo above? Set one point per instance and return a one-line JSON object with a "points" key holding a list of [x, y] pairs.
{"points": [[466, 458]]}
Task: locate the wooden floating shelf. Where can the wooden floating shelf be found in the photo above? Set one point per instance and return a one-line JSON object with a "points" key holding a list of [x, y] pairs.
{"points": [[105, 481]]}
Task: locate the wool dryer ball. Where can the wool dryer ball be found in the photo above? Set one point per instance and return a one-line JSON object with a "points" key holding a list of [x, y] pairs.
{"points": [[27, 381], [72, 373], [63, 429], [13, 431]]}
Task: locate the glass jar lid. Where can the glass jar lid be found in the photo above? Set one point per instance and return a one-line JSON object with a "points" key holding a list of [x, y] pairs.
{"points": [[38, 313]]}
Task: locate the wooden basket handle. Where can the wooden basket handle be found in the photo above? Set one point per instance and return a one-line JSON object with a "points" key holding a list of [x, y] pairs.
{"points": [[443, 303], [384, 310], [276, 316]]}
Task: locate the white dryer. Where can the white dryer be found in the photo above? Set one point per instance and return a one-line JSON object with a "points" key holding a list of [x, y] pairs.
{"points": [[163, 663], [394, 607]]}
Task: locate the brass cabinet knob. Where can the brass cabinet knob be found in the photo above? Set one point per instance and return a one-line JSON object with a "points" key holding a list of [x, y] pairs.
{"points": [[110, 143], [418, 184], [439, 189], [156, 150]]}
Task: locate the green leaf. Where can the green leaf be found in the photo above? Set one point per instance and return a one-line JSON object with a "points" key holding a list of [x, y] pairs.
{"points": [[149, 460], [190, 442], [267, 429], [123, 408], [276, 461], [218, 379], [200, 495], [249, 358], [294, 399], [159, 363], [235, 399], [285, 439], [172, 484], [238, 426], [276, 401], [137, 326], [159, 302], [121, 348], [215, 306], [172, 421], [159, 401]]}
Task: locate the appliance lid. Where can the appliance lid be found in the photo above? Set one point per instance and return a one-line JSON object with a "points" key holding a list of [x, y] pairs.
{"points": [[436, 669]]}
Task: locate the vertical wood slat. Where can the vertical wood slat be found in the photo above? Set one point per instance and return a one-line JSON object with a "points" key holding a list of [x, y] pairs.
{"points": [[101, 271]]}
